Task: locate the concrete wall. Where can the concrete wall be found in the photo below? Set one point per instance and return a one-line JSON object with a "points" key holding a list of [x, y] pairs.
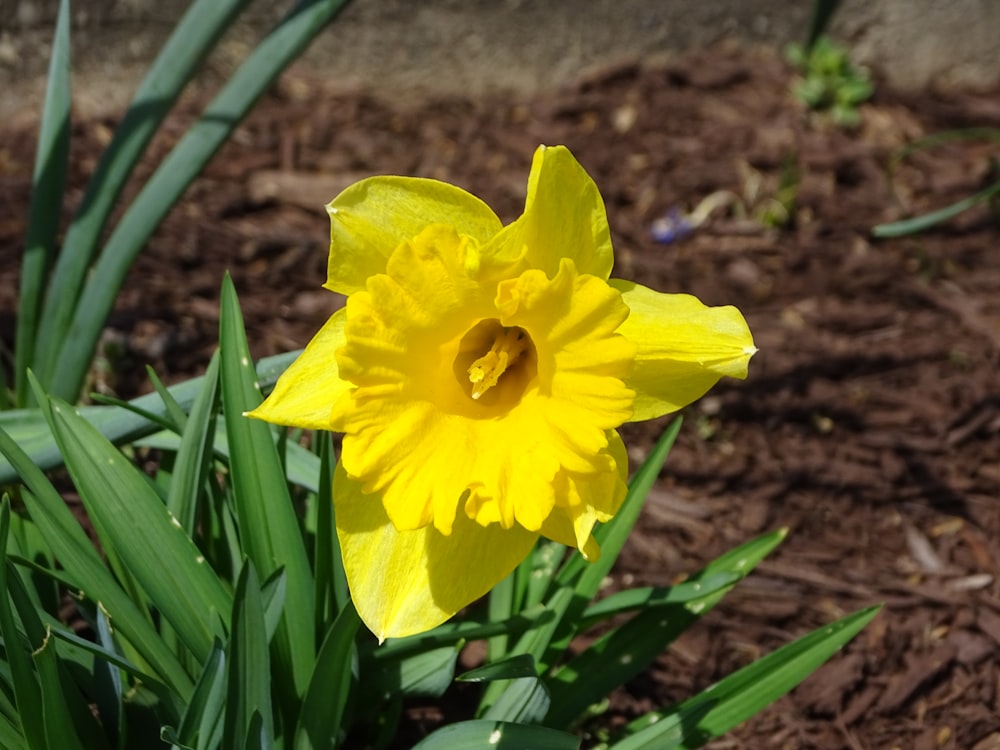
{"points": [[475, 45]]}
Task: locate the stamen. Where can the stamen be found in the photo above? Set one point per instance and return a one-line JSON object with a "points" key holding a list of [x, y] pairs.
{"points": [[507, 348]]}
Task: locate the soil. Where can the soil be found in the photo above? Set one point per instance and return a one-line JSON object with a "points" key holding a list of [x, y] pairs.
{"points": [[869, 423]]}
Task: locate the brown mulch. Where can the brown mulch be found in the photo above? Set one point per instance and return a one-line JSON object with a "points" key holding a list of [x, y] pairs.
{"points": [[869, 424]]}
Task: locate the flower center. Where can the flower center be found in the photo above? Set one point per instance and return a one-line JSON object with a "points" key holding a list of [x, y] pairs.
{"points": [[507, 349], [495, 363]]}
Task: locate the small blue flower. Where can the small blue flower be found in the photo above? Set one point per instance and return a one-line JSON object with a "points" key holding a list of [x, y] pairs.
{"points": [[674, 226]]}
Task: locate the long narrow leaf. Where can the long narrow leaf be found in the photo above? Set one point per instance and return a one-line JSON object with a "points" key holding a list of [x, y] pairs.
{"points": [[109, 687], [48, 186], [302, 467], [81, 562], [331, 582], [325, 701], [29, 430], [68, 719], [625, 651], [9, 736], [177, 171], [636, 599], [536, 642], [195, 34], [925, 221], [132, 520], [202, 720], [452, 632], [745, 693], [475, 735], [269, 528], [525, 700], [510, 668], [27, 692], [194, 458], [249, 683]]}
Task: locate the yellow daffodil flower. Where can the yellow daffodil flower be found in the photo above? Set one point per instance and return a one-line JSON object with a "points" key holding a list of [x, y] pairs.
{"points": [[479, 373]]}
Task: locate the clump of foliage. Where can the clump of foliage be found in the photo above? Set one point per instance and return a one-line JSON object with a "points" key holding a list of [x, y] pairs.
{"points": [[829, 82]]}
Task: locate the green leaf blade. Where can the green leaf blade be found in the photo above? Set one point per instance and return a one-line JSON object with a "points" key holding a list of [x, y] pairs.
{"points": [[269, 528], [325, 704], [132, 520], [78, 327], [248, 703], [483, 733], [48, 187], [84, 566], [626, 650], [745, 693], [197, 32]]}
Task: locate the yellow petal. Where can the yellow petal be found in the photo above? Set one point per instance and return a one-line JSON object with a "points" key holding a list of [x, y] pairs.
{"points": [[416, 435], [589, 498], [372, 217], [407, 582], [563, 217], [683, 347], [308, 389]]}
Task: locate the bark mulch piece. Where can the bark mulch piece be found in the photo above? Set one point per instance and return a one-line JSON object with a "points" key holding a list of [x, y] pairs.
{"points": [[868, 426]]}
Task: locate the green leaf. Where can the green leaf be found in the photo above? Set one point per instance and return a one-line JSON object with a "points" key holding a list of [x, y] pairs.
{"points": [[524, 588], [10, 737], [273, 595], [68, 718], [535, 642], [27, 692], [628, 649], [84, 566], [502, 602], [301, 465], [539, 572], [268, 59], [745, 693], [108, 684], [196, 33], [525, 700], [427, 674], [106, 655], [920, 223], [48, 186], [249, 679], [194, 458], [131, 520], [28, 428], [332, 594], [519, 665], [479, 734], [324, 706], [268, 526], [630, 600], [201, 726], [464, 629]]}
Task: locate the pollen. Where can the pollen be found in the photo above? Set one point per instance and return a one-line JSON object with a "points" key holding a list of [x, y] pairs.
{"points": [[508, 347], [494, 366]]}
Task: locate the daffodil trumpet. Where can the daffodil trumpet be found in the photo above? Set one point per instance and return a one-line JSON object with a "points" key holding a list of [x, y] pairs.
{"points": [[479, 373]]}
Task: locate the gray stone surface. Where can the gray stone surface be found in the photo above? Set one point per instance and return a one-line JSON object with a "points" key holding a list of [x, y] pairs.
{"points": [[395, 46]]}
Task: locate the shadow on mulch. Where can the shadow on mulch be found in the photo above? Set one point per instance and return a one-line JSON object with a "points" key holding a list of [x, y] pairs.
{"points": [[868, 425]]}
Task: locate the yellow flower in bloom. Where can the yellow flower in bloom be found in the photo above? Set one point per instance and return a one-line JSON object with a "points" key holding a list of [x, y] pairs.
{"points": [[479, 373]]}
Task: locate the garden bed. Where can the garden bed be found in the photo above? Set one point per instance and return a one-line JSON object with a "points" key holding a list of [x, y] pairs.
{"points": [[870, 422]]}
